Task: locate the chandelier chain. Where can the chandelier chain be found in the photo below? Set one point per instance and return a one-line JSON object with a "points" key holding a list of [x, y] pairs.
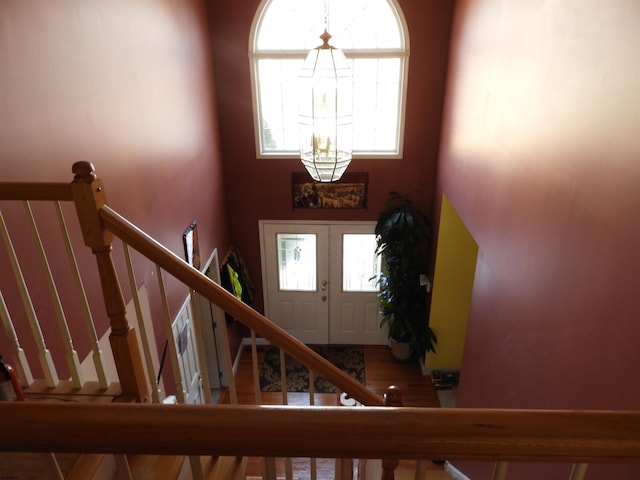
{"points": [[326, 15]]}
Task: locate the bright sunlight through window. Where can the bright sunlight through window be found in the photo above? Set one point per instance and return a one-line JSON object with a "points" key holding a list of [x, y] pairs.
{"points": [[374, 38]]}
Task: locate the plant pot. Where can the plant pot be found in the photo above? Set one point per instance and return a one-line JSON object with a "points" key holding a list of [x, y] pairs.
{"points": [[400, 351]]}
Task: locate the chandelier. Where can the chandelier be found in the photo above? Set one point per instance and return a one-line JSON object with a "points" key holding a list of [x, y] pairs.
{"points": [[325, 112]]}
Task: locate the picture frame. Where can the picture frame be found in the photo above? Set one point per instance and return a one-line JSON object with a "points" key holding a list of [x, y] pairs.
{"points": [[348, 192], [191, 247]]}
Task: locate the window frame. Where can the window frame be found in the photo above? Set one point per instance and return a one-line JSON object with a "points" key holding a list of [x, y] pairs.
{"points": [[351, 54]]}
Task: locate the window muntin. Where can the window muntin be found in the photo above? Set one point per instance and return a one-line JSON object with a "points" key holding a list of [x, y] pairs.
{"points": [[372, 34]]}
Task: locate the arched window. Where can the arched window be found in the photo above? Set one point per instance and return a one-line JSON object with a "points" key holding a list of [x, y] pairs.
{"points": [[374, 38]]}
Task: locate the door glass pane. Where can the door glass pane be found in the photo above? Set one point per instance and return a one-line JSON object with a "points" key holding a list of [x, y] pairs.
{"points": [[359, 262], [297, 261]]}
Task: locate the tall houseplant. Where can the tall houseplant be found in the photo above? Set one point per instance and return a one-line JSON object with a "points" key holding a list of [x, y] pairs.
{"points": [[403, 235]]}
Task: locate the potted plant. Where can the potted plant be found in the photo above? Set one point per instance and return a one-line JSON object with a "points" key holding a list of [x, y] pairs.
{"points": [[403, 235]]}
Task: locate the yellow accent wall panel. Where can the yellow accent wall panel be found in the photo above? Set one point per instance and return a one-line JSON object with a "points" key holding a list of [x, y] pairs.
{"points": [[455, 267]]}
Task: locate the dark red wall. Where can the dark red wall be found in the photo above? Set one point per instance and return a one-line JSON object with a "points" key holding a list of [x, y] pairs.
{"points": [[261, 188], [540, 158], [129, 87]]}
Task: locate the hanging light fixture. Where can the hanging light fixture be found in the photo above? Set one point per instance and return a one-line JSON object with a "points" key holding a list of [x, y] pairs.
{"points": [[325, 111]]}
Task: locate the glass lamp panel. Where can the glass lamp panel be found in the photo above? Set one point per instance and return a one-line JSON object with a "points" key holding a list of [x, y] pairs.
{"points": [[325, 114], [360, 263], [297, 259]]}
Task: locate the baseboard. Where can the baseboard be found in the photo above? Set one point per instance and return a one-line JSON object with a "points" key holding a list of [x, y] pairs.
{"points": [[454, 472]]}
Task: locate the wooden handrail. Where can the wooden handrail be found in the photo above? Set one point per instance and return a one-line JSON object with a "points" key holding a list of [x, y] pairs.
{"points": [[35, 191], [190, 276], [340, 432]]}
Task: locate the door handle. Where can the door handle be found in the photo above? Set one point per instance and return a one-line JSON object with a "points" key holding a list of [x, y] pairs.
{"points": [[324, 298], [324, 285]]}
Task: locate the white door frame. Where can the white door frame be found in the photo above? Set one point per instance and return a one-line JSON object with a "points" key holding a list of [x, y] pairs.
{"points": [[335, 285]]}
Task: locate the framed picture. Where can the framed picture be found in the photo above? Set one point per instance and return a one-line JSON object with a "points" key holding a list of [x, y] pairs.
{"points": [[191, 248], [348, 192]]}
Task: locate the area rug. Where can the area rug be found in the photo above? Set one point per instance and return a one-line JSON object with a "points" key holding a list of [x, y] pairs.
{"points": [[347, 358]]}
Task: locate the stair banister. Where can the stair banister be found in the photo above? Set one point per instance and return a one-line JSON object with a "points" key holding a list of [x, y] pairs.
{"points": [[190, 276], [327, 432], [89, 197], [100, 224]]}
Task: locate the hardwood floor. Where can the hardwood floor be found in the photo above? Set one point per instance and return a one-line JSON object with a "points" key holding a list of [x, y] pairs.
{"points": [[381, 371]]}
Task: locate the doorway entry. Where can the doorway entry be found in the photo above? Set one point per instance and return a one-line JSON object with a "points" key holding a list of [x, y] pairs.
{"points": [[317, 281]]}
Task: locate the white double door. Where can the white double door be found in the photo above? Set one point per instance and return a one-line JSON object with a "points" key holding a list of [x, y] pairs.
{"points": [[316, 281]]}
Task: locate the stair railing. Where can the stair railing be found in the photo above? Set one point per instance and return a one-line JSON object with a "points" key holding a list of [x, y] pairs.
{"points": [[13, 195], [100, 225], [102, 221], [578, 437]]}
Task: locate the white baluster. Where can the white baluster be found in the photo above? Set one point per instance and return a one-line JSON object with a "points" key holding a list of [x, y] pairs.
{"points": [[343, 469], [312, 401], [500, 471], [196, 467], [226, 351], [421, 470], [173, 351], [22, 364], [269, 468], [221, 327], [256, 371], [314, 469], [200, 350], [142, 328], [44, 355], [71, 355], [194, 461], [122, 466], [52, 467], [578, 471], [288, 466], [98, 357], [283, 378]]}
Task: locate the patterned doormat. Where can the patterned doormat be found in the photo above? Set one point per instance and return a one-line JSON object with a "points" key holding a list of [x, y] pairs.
{"points": [[348, 359]]}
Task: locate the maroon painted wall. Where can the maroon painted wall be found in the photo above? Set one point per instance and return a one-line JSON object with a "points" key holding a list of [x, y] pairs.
{"points": [[129, 87], [261, 188], [540, 158]]}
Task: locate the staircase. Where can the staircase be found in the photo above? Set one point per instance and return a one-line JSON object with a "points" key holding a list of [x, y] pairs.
{"points": [[112, 422]]}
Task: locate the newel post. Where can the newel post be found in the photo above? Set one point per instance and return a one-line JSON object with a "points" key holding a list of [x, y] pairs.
{"points": [[393, 398], [89, 196]]}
